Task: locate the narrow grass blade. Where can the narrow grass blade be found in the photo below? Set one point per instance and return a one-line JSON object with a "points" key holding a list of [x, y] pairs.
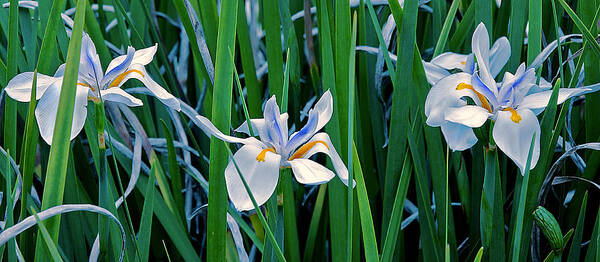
{"points": [[575, 250], [581, 26], [441, 43], [145, 230], [391, 236], [516, 33], [534, 38], [57, 164], [176, 183], [272, 29], [366, 219], [221, 114], [516, 239]]}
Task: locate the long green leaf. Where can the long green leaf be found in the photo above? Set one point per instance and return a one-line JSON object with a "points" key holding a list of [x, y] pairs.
{"points": [[221, 116], [57, 164]]}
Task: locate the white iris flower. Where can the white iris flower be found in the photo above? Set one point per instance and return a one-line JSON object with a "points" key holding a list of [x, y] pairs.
{"points": [[462, 101], [92, 84], [260, 160]]}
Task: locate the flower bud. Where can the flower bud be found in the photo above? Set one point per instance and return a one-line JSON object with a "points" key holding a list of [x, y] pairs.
{"points": [[549, 226]]}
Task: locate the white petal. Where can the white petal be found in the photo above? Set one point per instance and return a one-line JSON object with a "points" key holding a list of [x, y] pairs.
{"points": [[499, 55], [142, 56], [481, 49], [157, 90], [434, 73], [90, 68], [261, 177], [324, 108], [540, 100], [277, 131], [338, 164], [450, 61], [210, 130], [258, 126], [459, 137], [471, 116], [116, 94], [19, 88], [45, 111], [444, 95], [514, 139], [309, 172]]}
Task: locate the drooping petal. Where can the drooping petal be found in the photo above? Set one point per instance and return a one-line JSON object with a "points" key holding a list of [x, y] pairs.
{"points": [[277, 131], [142, 57], [514, 138], [261, 177], [90, 69], [471, 116], [45, 112], [19, 88], [499, 55], [459, 137], [138, 71], [309, 172], [114, 69], [450, 61], [321, 143], [116, 94], [434, 73], [540, 100], [444, 95], [481, 49]]}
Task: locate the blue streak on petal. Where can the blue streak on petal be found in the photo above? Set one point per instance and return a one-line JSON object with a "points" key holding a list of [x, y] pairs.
{"points": [[305, 132], [484, 89], [121, 67]]}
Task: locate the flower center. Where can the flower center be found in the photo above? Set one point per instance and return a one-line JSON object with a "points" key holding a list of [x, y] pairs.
{"points": [[305, 148], [482, 99], [122, 76], [261, 156], [514, 116], [464, 62]]}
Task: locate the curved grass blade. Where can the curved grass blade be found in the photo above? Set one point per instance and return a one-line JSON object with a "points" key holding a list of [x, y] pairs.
{"points": [[30, 221], [47, 239]]}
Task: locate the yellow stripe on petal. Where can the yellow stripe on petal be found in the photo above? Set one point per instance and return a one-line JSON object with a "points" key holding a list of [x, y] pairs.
{"points": [[484, 103], [86, 85], [261, 156], [514, 115], [122, 76], [305, 148]]}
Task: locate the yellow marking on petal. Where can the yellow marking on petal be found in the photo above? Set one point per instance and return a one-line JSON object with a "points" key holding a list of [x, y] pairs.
{"points": [[484, 103], [86, 85], [514, 115], [463, 62], [93, 98], [305, 148], [122, 76], [261, 156]]}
